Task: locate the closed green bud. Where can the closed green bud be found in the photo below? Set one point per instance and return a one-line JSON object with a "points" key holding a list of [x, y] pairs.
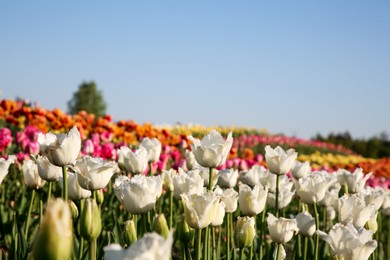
{"points": [[186, 233], [372, 223], [74, 210], [90, 220], [54, 240], [161, 226], [130, 232], [245, 231], [99, 197]]}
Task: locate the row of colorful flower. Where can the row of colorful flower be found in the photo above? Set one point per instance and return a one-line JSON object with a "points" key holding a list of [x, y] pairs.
{"points": [[22, 114], [103, 145], [250, 137]]}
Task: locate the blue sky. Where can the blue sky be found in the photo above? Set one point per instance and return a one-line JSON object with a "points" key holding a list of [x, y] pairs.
{"points": [[293, 67]]}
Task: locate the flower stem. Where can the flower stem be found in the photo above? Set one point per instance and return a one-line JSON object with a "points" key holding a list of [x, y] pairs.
{"points": [[65, 183], [262, 233], [299, 241], [219, 243], [150, 169], [232, 245], [144, 219], [206, 243], [29, 214], [305, 248], [40, 207], [214, 253], [325, 219], [251, 252], [187, 252], [242, 253], [198, 246], [278, 252], [211, 178], [277, 197], [81, 243], [317, 227], [378, 233], [92, 249], [228, 236], [49, 191], [170, 209]]}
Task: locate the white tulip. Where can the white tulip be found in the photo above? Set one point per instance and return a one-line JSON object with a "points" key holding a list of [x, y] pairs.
{"points": [[285, 195], [167, 178], [279, 162], [140, 193], [61, 149], [219, 214], [245, 231], [300, 169], [31, 176], [135, 162], [252, 177], [386, 203], [212, 150], [54, 239], [205, 174], [190, 182], [373, 223], [94, 173], [312, 188], [199, 209], [330, 213], [121, 179], [374, 197], [251, 201], [114, 252], [347, 242], [352, 209], [281, 230], [75, 191], [331, 196], [151, 246], [267, 179], [355, 181], [191, 162], [230, 197], [228, 178], [4, 166], [306, 224], [153, 146], [47, 170]]}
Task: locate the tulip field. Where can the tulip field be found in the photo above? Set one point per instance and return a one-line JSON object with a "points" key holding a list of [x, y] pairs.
{"points": [[82, 187]]}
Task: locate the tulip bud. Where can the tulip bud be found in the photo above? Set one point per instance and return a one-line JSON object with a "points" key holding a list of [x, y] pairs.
{"points": [[282, 252], [186, 233], [99, 197], [54, 240], [245, 231], [74, 210], [90, 220], [130, 232], [330, 213], [160, 225], [372, 223]]}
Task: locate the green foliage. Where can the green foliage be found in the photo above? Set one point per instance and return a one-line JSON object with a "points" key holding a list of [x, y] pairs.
{"points": [[374, 147], [89, 99]]}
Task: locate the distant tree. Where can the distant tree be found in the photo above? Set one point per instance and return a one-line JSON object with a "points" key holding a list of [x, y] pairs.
{"points": [[373, 147], [89, 99]]}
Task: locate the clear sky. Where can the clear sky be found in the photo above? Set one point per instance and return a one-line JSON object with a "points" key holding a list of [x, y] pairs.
{"points": [[293, 67]]}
